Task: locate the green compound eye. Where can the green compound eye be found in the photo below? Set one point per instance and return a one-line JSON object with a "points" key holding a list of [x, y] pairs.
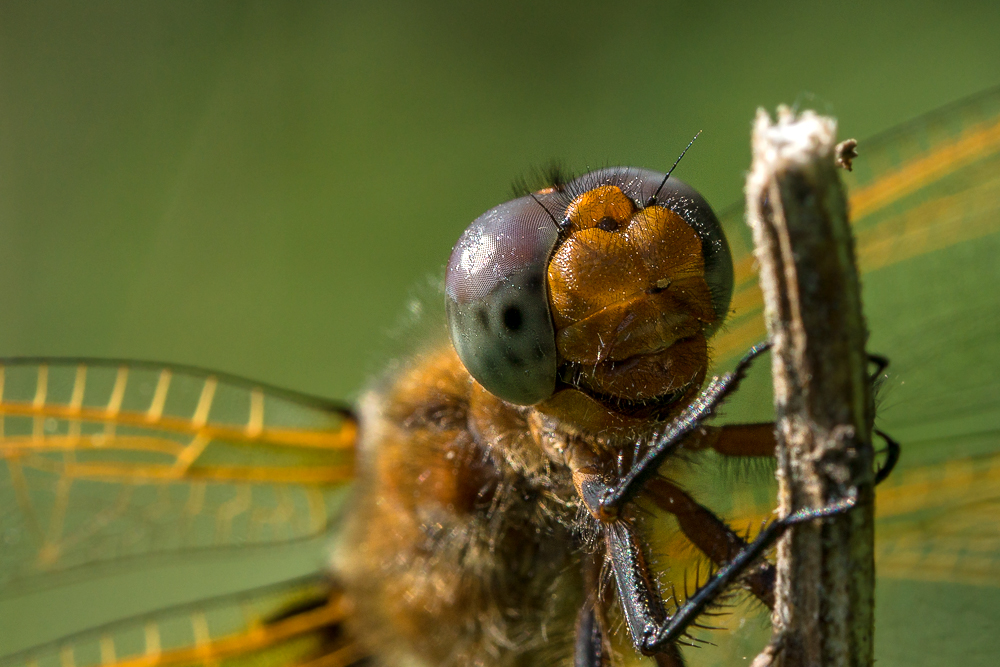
{"points": [[497, 300]]}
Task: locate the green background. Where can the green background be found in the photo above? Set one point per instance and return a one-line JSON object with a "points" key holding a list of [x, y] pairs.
{"points": [[260, 188]]}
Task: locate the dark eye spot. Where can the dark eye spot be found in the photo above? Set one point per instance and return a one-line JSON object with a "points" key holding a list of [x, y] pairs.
{"points": [[512, 318], [493, 363], [513, 359], [607, 224]]}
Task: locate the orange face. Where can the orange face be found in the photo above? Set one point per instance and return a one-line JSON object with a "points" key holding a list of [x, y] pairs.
{"points": [[636, 275], [630, 301]]}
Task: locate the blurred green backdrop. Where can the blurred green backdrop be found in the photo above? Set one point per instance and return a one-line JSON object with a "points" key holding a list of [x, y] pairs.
{"points": [[256, 187]]}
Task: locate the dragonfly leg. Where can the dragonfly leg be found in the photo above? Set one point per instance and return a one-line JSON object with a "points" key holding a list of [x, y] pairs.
{"points": [[758, 440], [711, 535], [735, 440], [892, 456], [653, 630], [667, 442], [892, 446], [745, 440], [589, 650], [669, 657], [881, 363], [591, 645]]}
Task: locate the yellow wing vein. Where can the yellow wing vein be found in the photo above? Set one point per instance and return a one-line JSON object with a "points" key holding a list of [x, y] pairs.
{"points": [[255, 638], [200, 417], [50, 553], [23, 497], [974, 143], [228, 511], [108, 652], [342, 438], [79, 387], [57, 521], [155, 411], [255, 422], [117, 392], [152, 637]]}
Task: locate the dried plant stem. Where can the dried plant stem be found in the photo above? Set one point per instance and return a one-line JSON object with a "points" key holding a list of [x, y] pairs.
{"points": [[824, 609]]}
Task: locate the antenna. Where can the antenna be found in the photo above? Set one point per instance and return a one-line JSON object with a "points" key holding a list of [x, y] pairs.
{"points": [[652, 200], [551, 217]]}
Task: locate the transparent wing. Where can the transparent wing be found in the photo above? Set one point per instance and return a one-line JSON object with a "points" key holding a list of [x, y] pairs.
{"points": [[291, 623], [938, 523], [925, 203], [921, 188], [105, 461]]}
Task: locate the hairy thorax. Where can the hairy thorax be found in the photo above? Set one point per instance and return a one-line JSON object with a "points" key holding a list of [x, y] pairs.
{"points": [[461, 547]]}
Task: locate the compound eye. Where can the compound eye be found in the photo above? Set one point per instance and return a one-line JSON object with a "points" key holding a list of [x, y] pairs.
{"points": [[497, 301]]}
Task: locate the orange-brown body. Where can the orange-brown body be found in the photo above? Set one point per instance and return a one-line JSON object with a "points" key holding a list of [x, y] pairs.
{"points": [[466, 544], [460, 549]]}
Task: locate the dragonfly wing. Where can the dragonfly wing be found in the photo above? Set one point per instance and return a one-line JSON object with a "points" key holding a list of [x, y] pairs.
{"points": [[927, 217], [925, 205], [109, 461], [921, 188], [291, 623]]}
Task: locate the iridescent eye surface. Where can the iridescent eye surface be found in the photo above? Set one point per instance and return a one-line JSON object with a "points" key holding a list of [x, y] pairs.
{"points": [[497, 303], [497, 296]]}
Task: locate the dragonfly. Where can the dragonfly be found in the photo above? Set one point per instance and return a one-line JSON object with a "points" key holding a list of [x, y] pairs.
{"points": [[109, 464]]}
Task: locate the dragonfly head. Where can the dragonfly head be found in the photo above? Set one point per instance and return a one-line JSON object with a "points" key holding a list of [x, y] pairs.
{"points": [[594, 287]]}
